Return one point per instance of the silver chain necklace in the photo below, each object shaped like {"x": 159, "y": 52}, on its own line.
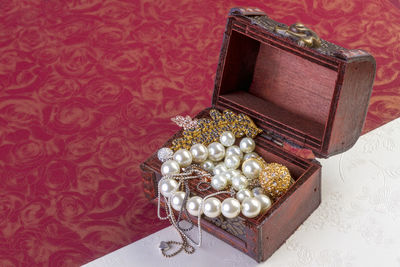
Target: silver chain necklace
{"x": 184, "y": 244}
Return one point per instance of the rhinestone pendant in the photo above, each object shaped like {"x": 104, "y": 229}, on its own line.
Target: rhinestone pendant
{"x": 165, "y": 154}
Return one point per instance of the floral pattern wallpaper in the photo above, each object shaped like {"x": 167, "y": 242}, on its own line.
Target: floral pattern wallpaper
{"x": 87, "y": 88}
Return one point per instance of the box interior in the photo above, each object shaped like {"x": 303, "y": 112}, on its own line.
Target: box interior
{"x": 287, "y": 90}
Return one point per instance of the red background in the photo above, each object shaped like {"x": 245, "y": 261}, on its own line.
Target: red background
{"x": 86, "y": 92}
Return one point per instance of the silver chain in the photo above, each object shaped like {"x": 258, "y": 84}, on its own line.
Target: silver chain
{"x": 184, "y": 178}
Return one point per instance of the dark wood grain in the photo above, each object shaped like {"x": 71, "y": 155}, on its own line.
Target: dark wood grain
{"x": 352, "y": 104}
{"x": 293, "y": 83}
{"x": 293, "y": 211}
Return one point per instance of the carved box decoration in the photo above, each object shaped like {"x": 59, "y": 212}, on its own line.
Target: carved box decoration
{"x": 309, "y": 96}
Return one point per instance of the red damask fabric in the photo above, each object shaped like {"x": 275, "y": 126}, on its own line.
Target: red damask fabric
{"x": 87, "y": 88}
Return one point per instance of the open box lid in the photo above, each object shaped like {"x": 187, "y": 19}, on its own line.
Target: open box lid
{"x": 310, "y": 97}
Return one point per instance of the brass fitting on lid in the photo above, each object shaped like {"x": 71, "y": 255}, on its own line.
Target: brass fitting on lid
{"x": 303, "y": 35}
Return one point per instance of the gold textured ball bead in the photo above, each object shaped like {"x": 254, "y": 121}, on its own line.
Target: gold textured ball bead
{"x": 275, "y": 179}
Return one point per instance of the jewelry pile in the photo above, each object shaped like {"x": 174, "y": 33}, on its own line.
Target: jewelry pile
{"x": 220, "y": 162}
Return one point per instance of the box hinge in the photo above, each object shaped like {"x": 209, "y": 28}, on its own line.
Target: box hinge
{"x": 273, "y": 137}
{"x": 288, "y": 145}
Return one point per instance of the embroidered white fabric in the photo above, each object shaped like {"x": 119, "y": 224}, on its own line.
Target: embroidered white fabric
{"x": 357, "y": 223}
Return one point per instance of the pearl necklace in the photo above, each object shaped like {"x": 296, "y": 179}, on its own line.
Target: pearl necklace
{"x": 235, "y": 168}
{"x": 249, "y": 202}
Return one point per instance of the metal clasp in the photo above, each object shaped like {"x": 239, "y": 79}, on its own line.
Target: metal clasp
{"x": 303, "y": 35}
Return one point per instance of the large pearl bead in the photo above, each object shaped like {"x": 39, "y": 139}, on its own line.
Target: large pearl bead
{"x": 170, "y": 167}
{"x": 250, "y": 155}
{"x": 242, "y": 194}
{"x": 234, "y": 150}
{"x": 219, "y": 182}
{"x": 183, "y": 157}
{"x": 193, "y": 205}
{"x": 216, "y": 151}
{"x": 230, "y": 207}
{"x": 257, "y": 191}
{"x": 265, "y": 202}
{"x": 251, "y": 168}
{"x": 167, "y": 187}
{"x": 199, "y": 153}
{"x": 212, "y": 207}
{"x": 230, "y": 174}
{"x": 220, "y": 168}
{"x": 247, "y": 145}
{"x": 208, "y": 165}
{"x": 227, "y": 138}
{"x": 232, "y": 162}
{"x": 177, "y": 200}
{"x": 239, "y": 182}
{"x": 251, "y": 207}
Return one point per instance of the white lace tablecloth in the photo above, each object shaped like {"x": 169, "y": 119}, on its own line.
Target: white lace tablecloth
{"x": 357, "y": 223}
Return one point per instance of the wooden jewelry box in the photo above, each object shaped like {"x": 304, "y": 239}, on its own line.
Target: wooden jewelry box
{"x": 309, "y": 96}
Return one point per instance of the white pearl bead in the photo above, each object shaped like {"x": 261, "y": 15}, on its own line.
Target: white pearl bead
{"x": 167, "y": 187}
{"x": 177, "y": 200}
{"x": 193, "y": 205}
{"x": 251, "y": 168}
{"x": 227, "y": 138}
{"x": 170, "y": 167}
{"x": 219, "y": 182}
{"x": 251, "y": 207}
{"x": 257, "y": 191}
{"x": 183, "y": 157}
{"x": 230, "y": 207}
{"x": 234, "y": 150}
{"x": 216, "y": 151}
{"x": 242, "y": 194}
{"x": 239, "y": 182}
{"x": 212, "y": 207}
{"x": 230, "y": 174}
{"x": 265, "y": 202}
{"x": 199, "y": 153}
{"x": 250, "y": 155}
{"x": 220, "y": 168}
{"x": 247, "y": 145}
{"x": 208, "y": 165}
{"x": 232, "y": 162}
